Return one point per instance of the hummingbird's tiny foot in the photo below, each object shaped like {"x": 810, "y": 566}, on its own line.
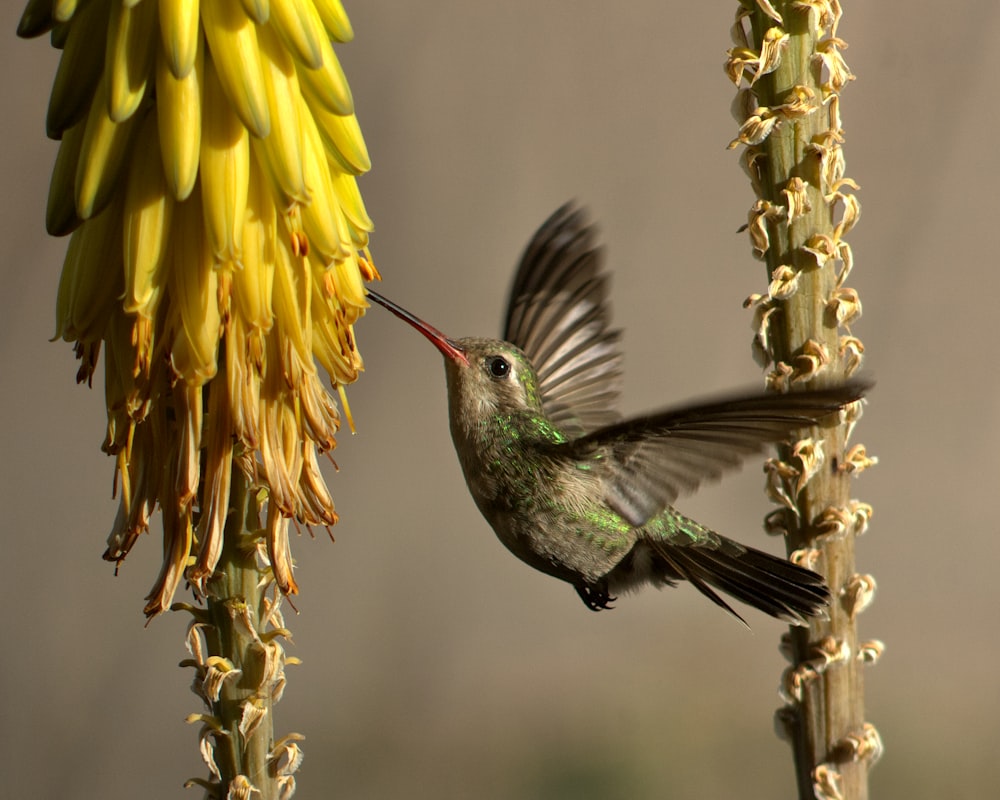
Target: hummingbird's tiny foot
{"x": 595, "y": 595}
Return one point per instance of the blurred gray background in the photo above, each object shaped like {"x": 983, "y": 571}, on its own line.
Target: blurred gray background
{"x": 435, "y": 664}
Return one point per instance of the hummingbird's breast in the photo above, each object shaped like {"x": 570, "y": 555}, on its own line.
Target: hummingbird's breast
{"x": 549, "y": 512}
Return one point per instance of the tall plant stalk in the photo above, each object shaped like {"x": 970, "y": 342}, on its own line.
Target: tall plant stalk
{"x": 207, "y": 178}
{"x": 788, "y": 66}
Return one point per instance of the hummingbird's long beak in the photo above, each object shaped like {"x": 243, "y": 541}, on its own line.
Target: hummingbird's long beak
{"x": 450, "y": 348}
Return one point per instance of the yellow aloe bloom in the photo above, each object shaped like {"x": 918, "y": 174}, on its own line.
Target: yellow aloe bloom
{"x": 207, "y": 173}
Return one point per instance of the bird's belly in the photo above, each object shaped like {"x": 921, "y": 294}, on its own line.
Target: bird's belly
{"x": 570, "y": 549}
{"x": 556, "y": 523}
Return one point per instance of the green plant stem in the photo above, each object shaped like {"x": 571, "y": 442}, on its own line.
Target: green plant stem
{"x": 236, "y": 606}
{"x": 830, "y": 708}
{"x": 788, "y": 156}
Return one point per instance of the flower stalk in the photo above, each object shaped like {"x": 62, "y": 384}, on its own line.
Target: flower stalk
{"x": 788, "y": 66}
{"x": 218, "y": 249}
{"x": 236, "y": 650}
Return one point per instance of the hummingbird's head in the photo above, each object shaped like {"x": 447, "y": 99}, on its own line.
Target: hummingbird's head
{"x": 485, "y": 376}
{"x": 496, "y": 377}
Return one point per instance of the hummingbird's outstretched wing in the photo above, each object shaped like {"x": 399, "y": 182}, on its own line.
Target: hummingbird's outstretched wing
{"x": 558, "y": 315}
{"x": 647, "y": 462}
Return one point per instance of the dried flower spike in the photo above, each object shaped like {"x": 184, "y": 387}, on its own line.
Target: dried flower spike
{"x": 789, "y": 70}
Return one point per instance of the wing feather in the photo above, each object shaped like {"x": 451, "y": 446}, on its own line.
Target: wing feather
{"x": 558, "y": 314}
{"x": 648, "y": 462}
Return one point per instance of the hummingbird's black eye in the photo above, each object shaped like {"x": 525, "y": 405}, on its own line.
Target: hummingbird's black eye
{"x": 498, "y": 366}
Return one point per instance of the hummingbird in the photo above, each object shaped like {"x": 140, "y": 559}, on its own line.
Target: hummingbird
{"x": 571, "y": 488}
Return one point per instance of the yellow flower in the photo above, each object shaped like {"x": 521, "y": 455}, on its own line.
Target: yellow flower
{"x": 207, "y": 172}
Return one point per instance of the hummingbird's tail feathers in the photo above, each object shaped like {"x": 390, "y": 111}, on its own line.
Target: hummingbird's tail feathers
{"x": 773, "y": 585}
